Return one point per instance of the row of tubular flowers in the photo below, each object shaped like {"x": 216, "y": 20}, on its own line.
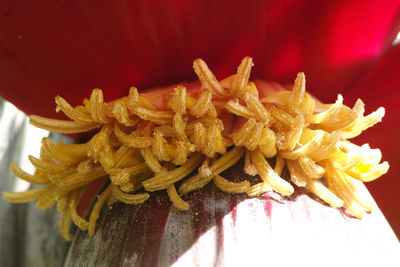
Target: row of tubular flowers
{"x": 180, "y": 145}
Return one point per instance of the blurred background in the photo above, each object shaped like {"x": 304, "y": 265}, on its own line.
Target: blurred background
{"x": 28, "y": 236}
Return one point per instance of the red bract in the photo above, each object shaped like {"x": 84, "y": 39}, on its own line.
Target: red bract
{"x": 67, "y": 48}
